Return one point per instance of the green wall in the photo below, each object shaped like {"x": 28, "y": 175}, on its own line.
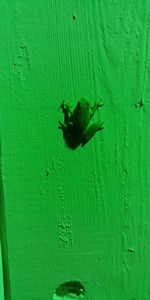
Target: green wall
{"x": 1, "y": 277}
{"x": 79, "y": 214}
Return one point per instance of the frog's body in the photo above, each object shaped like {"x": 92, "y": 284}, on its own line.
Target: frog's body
{"x": 76, "y": 122}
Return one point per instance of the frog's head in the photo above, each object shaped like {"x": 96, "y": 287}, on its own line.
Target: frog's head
{"x": 83, "y": 104}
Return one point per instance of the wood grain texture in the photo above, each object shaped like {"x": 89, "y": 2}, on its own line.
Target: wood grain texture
{"x": 1, "y": 277}
{"x": 83, "y": 214}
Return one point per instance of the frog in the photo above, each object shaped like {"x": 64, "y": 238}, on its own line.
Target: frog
{"x": 76, "y": 127}
{"x": 70, "y": 289}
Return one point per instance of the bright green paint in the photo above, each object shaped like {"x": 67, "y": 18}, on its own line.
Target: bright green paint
{"x": 1, "y": 277}
{"x": 75, "y": 215}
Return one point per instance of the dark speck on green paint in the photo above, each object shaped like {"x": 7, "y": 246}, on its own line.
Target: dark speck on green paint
{"x": 131, "y": 250}
{"x": 47, "y": 172}
{"x": 139, "y": 104}
{"x": 74, "y": 17}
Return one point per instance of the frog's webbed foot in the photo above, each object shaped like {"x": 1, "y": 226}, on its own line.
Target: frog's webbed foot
{"x": 66, "y": 109}
{"x": 95, "y": 107}
{"x": 91, "y": 132}
{"x": 99, "y": 104}
{"x": 62, "y": 125}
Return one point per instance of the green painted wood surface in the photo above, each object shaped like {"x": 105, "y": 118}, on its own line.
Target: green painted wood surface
{"x": 1, "y": 277}
{"x": 83, "y": 214}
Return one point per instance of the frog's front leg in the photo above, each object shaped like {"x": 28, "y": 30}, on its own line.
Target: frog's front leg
{"x": 64, "y": 126}
{"x": 95, "y": 107}
{"x": 90, "y": 132}
{"x": 66, "y": 111}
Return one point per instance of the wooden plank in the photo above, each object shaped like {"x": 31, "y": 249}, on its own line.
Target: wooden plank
{"x": 1, "y": 277}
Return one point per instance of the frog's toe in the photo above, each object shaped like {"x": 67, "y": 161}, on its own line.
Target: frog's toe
{"x": 101, "y": 126}
{"x": 61, "y": 125}
{"x": 100, "y": 104}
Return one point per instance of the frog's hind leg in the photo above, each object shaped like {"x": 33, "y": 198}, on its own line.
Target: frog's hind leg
{"x": 91, "y": 132}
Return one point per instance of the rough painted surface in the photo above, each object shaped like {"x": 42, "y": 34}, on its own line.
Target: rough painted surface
{"x": 85, "y": 214}
{"x": 1, "y": 277}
